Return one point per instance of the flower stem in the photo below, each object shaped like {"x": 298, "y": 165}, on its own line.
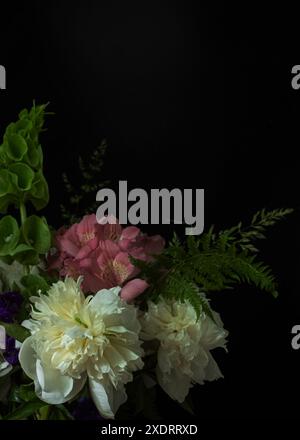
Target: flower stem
{"x": 23, "y": 215}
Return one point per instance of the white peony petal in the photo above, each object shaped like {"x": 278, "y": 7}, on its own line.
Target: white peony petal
{"x": 5, "y": 367}
{"x": 78, "y": 384}
{"x": 18, "y": 344}
{"x": 212, "y": 370}
{"x": 106, "y": 398}
{"x": 54, "y": 388}
{"x": 176, "y": 385}
{"x": 2, "y": 338}
{"x": 27, "y": 358}
{"x": 148, "y": 381}
{"x": 107, "y": 300}
{"x": 30, "y": 325}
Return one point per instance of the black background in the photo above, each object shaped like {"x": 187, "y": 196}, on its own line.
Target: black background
{"x": 184, "y": 99}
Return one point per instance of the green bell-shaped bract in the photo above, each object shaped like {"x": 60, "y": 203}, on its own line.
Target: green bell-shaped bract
{"x": 22, "y": 181}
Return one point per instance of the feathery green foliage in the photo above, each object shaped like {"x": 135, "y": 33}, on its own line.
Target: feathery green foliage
{"x": 212, "y": 262}
{"x": 244, "y": 237}
{"x": 82, "y": 197}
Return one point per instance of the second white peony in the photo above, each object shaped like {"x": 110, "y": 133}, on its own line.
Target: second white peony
{"x": 183, "y": 356}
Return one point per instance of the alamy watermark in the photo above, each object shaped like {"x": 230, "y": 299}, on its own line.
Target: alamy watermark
{"x": 295, "y": 342}
{"x": 2, "y": 78}
{"x": 166, "y": 207}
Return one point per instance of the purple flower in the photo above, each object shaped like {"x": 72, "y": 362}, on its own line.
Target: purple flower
{"x": 85, "y": 410}
{"x": 10, "y": 303}
{"x": 11, "y": 353}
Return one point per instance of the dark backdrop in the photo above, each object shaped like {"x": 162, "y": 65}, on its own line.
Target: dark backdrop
{"x": 184, "y": 100}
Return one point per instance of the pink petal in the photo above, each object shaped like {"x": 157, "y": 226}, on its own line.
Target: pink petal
{"x": 124, "y": 244}
{"x": 87, "y": 224}
{"x": 58, "y": 236}
{"x": 69, "y": 246}
{"x": 122, "y": 258}
{"x": 108, "y": 247}
{"x": 87, "y": 249}
{"x": 112, "y": 231}
{"x": 130, "y": 233}
{"x": 154, "y": 245}
{"x": 92, "y": 284}
{"x": 86, "y": 230}
{"x": 133, "y": 288}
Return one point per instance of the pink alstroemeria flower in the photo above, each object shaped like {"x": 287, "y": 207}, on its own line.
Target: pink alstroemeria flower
{"x": 100, "y": 253}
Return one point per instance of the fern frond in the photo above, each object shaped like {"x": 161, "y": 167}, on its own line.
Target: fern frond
{"x": 82, "y": 197}
{"x": 181, "y": 289}
{"x": 244, "y": 237}
{"x": 213, "y": 262}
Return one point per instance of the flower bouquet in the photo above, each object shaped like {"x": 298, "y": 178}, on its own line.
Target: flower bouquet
{"x": 95, "y": 312}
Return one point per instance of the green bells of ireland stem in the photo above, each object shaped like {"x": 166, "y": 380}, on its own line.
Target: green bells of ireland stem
{"x": 22, "y": 181}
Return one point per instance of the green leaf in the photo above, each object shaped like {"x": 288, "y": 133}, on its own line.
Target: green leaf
{"x": 8, "y": 189}
{"x": 25, "y": 254}
{"x": 23, "y": 114}
{"x": 39, "y": 194}
{"x": 29, "y": 257}
{"x": 20, "y": 249}
{"x": 15, "y": 146}
{"x": 24, "y": 174}
{"x": 23, "y": 393}
{"x": 33, "y": 157}
{"x": 23, "y": 126}
{"x": 27, "y": 393}
{"x": 5, "y": 201}
{"x": 9, "y": 235}
{"x": 16, "y": 331}
{"x": 3, "y": 158}
{"x": 33, "y": 283}
{"x": 25, "y": 410}
{"x": 43, "y": 413}
{"x": 5, "y": 183}
{"x": 37, "y": 234}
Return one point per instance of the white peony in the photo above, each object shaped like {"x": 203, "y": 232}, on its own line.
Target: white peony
{"x": 183, "y": 356}
{"x": 75, "y": 338}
